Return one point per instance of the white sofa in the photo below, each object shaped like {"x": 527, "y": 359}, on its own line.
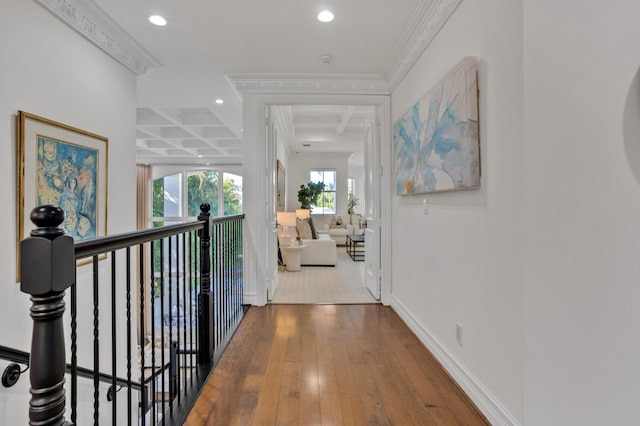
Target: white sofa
{"x": 321, "y": 251}
{"x": 353, "y": 225}
{"x": 318, "y": 252}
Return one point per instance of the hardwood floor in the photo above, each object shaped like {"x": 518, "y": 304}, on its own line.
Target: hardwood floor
{"x": 329, "y": 365}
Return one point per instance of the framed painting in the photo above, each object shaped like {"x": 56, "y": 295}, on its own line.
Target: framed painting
{"x": 64, "y": 166}
{"x": 436, "y": 143}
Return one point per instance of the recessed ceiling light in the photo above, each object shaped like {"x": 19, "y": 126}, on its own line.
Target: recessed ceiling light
{"x": 157, "y": 20}
{"x": 325, "y": 16}
{"x": 199, "y": 156}
{"x": 219, "y": 101}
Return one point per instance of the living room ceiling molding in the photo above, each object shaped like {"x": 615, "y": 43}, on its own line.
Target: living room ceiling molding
{"x": 283, "y": 118}
{"x": 86, "y": 18}
{"x": 429, "y": 17}
{"x": 309, "y": 83}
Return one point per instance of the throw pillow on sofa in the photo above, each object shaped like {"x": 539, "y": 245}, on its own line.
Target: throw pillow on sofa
{"x": 304, "y": 230}
{"x": 337, "y": 222}
{"x": 314, "y": 233}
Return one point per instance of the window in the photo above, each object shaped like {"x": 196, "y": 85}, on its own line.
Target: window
{"x": 327, "y": 201}
{"x": 232, "y": 190}
{"x": 202, "y": 187}
{"x": 177, "y": 198}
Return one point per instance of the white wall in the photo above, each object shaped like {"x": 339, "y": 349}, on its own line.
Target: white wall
{"x": 282, "y": 154}
{"x": 582, "y": 174}
{"x": 462, "y": 263}
{"x": 356, "y": 171}
{"x": 48, "y": 70}
{"x": 298, "y": 174}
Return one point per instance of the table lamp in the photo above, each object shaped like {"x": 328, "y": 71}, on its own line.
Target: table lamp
{"x": 303, "y": 213}
{"x": 286, "y": 219}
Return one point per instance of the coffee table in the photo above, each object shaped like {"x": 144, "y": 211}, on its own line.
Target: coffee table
{"x": 355, "y": 247}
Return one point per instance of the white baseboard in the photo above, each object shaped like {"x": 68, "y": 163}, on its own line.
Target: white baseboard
{"x": 249, "y": 299}
{"x": 479, "y": 394}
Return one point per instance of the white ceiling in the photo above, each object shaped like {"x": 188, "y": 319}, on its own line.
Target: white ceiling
{"x": 206, "y": 41}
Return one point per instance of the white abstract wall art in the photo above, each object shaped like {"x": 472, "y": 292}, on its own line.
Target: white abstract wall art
{"x": 436, "y": 143}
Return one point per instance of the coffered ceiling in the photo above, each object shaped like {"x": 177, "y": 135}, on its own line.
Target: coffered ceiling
{"x": 218, "y": 49}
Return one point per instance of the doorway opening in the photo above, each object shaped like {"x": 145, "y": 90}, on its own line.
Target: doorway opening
{"x": 337, "y": 146}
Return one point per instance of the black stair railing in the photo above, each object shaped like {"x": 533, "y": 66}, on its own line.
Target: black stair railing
{"x": 188, "y": 308}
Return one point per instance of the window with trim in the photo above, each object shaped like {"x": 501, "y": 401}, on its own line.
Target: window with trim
{"x": 177, "y": 198}
{"x": 327, "y": 201}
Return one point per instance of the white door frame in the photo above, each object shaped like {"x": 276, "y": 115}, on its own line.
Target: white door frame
{"x": 255, "y": 149}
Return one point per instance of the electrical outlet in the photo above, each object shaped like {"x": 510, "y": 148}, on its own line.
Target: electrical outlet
{"x": 459, "y": 333}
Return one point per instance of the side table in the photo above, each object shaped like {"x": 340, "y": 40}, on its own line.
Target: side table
{"x": 293, "y": 255}
{"x": 355, "y": 247}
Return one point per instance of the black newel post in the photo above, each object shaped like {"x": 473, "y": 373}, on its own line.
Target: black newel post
{"x": 205, "y": 300}
{"x": 47, "y": 269}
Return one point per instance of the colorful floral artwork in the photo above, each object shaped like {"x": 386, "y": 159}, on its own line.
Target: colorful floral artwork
{"x": 67, "y": 176}
{"x": 436, "y": 143}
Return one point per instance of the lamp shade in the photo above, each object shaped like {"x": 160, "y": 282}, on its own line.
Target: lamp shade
{"x": 303, "y": 213}
{"x": 287, "y": 218}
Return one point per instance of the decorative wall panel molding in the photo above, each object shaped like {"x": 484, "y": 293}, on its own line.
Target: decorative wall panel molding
{"x": 86, "y": 18}
{"x": 430, "y": 17}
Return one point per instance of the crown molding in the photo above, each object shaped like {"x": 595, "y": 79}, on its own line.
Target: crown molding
{"x": 430, "y": 16}
{"x": 309, "y": 83}
{"x": 86, "y": 18}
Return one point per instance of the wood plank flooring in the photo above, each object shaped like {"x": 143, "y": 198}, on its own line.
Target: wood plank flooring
{"x": 329, "y": 365}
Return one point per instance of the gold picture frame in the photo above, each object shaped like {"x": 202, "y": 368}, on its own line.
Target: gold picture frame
{"x": 65, "y": 166}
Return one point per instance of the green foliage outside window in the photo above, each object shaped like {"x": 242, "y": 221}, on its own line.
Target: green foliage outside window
{"x": 232, "y": 197}
{"x": 202, "y": 187}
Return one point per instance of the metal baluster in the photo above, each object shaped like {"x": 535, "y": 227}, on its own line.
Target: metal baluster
{"x": 114, "y": 372}
{"x": 191, "y": 261}
{"x": 128, "y": 302}
{"x": 96, "y": 343}
{"x": 153, "y": 331}
{"x": 162, "y": 270}
{"x": 143, "y": 392}
{"x": 218, "y": 298}
{"x": 238, "y": 260}
{"x": 172, "y": 274}
{"x": 74, "y": 354}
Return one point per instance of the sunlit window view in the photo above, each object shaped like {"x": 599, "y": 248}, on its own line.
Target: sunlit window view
{"x": 177, "y": 198}
{"x": 327, "y": 201}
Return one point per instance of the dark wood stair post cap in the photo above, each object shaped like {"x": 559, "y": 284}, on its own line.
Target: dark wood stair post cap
{"x": 47, "y": 261}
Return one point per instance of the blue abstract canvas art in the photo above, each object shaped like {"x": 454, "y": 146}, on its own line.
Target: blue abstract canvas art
{"x": 436, "y": 142}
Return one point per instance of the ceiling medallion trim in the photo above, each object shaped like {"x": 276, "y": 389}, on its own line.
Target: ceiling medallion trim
{"x": 302, "y": 83}
{"x": 430, "y": 17}
{"x": 86, "y": 18}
